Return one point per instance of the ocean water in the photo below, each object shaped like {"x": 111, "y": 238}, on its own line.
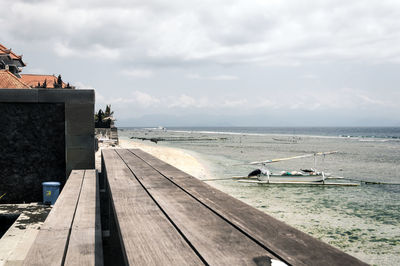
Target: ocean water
{"x": 363, "y": 221}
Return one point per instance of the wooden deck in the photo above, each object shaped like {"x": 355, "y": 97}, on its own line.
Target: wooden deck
{"x": 71, "y": 234}
{"x": 167, "y": 217}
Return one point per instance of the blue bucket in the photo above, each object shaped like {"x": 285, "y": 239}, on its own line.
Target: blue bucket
{"x": 51, "y": 190}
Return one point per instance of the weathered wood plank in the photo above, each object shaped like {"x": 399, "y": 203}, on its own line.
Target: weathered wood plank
{"x": 50, "y": 244}
{"x": 147, "y": 236}
{"x": 85, "y": 244}
{"x": 217, "y": 241}
{"x": 48, "y": 248}
{"x": 294, "y": 246}
{"x": 61, "y": 215}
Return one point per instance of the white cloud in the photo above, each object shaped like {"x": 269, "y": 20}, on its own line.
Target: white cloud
{"x": 193, "y": 76}
{"x": 144, "y": 99}
{"x": 239, "y": 31}
{"x": 136, "y": 99}
{"x": 217, "y": 77}
{"x": 217, "y": 56}
{"x": 349, "y": 99}
{"x": 93, "y": 51}
{"x": 367, "y": 100}
{"x": 307, "y": 100}
{"x": 140, "y": 98}
{"x": 182, "y": 101}
{"x": 185, "y": 101}
{"x": 309, "y": 76}
{"x": 265, "y": 102}
{"x": 138, "y": 73}
{"x": 235, "y": 103}
{"x": 224, "y": 77}
{"x": 347, "y": 102}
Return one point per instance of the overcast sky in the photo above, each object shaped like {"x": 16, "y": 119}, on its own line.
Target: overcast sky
{"x": 220, "y": 62}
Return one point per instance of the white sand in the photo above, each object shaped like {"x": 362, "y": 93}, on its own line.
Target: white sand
{"x": 181, "y": 159}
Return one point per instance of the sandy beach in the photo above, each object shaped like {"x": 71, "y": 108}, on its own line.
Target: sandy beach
{"x": 181, "y": 159}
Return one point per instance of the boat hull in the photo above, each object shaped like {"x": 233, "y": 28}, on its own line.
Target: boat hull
{"x": 291, "y": 178}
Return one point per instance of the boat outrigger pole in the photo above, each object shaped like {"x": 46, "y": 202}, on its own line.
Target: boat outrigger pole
{"x": 294, "y": 157}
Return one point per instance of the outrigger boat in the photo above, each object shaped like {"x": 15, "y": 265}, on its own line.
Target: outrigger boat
{"x": 304, "y": 175}
{"x": 263, "y": 175}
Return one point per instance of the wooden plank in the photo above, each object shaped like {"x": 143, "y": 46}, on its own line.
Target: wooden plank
{"x": 218, "y": 242}
{"x": 85, "y": 244}
{"x": 84, "y": 248}
{"x": 294, "y": 246}
{"x": 147, "y": 236}
{"x": 48, "y": 248}
{"x": 50, "y": 245}
{"x": 61, "y": 215}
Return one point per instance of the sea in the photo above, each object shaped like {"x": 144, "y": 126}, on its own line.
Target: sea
{"x": 363, "y": 220}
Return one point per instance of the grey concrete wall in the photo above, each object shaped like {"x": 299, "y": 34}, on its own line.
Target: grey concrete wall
{"x": 77, "y": 133}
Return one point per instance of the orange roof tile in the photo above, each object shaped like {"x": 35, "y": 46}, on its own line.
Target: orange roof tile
{"x": 5, "y": 50}
{"x": 9, "y": 81}
{"x": 33, "y": 80}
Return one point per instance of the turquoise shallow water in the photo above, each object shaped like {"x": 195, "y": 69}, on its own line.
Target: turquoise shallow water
{"x": 363, "y": 221}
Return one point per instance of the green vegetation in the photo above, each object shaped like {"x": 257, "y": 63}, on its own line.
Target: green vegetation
{"x": 104, "y": 119}
{"x": 58, "y": 83}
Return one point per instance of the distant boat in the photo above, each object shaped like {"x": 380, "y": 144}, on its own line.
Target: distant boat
{"x": 292, "y": 139}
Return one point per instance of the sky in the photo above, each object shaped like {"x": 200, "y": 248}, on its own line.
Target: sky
{"x": 220, "y": 62}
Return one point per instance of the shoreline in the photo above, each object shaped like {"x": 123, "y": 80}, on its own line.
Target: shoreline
{"x": 187, "y": 161}
{"x": 182, "y": 159}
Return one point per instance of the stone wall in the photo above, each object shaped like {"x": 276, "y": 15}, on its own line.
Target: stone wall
{"x": 45, "y": 133}
{"x": 32, "y": 143}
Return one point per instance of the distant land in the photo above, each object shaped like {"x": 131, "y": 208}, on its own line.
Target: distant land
{"x": 199, "y": 120}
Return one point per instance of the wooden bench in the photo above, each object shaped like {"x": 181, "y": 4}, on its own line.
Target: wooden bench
{"x": 71, "y": 234}
{"x": 166, "y": 217}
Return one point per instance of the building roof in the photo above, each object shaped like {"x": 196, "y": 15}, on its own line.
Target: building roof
{"x": 9, "y": 81}
{"x": 33, "y": 80}
{"x": 5, "y": 50}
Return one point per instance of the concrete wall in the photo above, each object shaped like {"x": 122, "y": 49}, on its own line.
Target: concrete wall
{"x": 76, "y": 138}
{"x": 111, "y": 133}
